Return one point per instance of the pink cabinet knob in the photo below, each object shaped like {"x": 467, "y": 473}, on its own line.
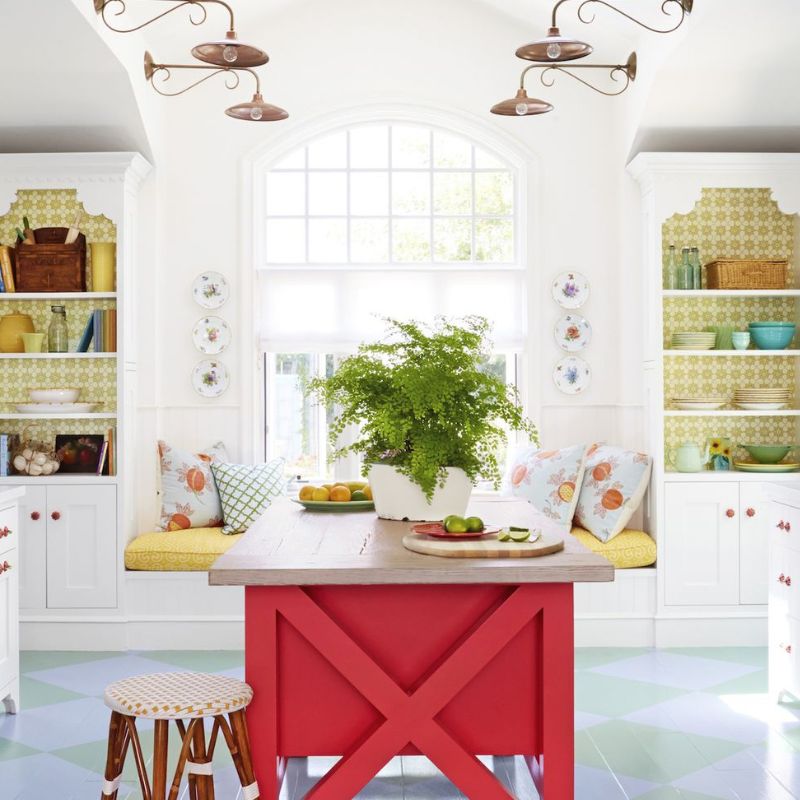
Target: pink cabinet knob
{"x": 730, "y": 513}
{"x": 35, "y": 515}
{"x": 5, "y": 532}
{"x": 56, "y": 515}
{"x": 751, "y": 512}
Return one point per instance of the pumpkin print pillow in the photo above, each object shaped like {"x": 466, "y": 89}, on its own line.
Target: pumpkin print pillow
{"x": 189, "y": 496}
{"x": 613, "y": 488}
{"x": 549, "y": 480}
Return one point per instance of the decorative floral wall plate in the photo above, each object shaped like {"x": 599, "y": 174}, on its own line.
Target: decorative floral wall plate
{"x": 210, "y": 289}
{"x": 210, "y": 378}
{"x": 571, "y": 289}
{"x": 211, "y": 335}
{"x": 572, "y": 333}
{"x": 572, "y": 375}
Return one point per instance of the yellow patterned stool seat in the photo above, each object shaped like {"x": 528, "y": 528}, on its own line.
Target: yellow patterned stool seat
{"x": 177, "y": 695}
{"x": 170, "y": 698}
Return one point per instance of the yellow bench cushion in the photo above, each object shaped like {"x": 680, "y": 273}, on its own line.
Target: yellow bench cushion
{"x": 626, "y": 550}
{"x": 192, "y": 550}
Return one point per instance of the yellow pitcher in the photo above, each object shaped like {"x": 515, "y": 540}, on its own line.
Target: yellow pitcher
{"x": 11, "y": 327}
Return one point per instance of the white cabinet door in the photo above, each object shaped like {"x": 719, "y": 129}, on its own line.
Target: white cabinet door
{"x": 753, "y": 544}
{"x": 81, "y": 546}
{"x": 9, "y": 619}
{"x": 702, "y": 544}
{"x": 32, "y": 548}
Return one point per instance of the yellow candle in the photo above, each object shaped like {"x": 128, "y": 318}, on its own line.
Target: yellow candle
{"x": 104, "y": 256}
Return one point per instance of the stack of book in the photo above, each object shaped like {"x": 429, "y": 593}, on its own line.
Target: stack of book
{"x": 6, "y": 271}
{"x": 8, "y": 443}
{"x": 102, "y": 328}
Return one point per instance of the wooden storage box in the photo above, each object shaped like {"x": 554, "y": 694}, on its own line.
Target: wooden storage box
{"x": 746, "y": 274}
{"x": 50, "y": 265}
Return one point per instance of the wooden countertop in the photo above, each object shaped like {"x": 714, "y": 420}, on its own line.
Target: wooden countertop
{"x": 289, "y": 546}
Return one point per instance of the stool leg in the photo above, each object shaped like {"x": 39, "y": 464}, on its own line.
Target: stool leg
{"x": 138, "y": 756}
{"x": 114, "y": 756}
{"x": 160, "y": 742}
{"x": 243, "y": 757}
{"x": 186, "y": 736}
{"x": 204, "y": 783}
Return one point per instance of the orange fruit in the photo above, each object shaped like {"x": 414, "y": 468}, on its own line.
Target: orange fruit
{"x": 601, "y": 471}
{"x": 340, "y": 494}
{"x": 195, "y": 480}
{"x": 367, "y": 492}
{"x": 179, "y": 522}
{"x": 612, "y": 499}
{"x": 518, "y": 475}
{"x": 321, "y": 494}
{"x": 307, "y": 493}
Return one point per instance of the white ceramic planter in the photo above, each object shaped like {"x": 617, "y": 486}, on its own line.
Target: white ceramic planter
{"x": 397, "y": 497}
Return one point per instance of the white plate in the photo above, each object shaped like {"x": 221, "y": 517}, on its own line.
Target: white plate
{"x": 760, "y": 406}
{"x": 211, "y": 335}
{"x": 210, "y": 378}
{"x": 210, "y": 289}
{"x": 56, "y": 408}
{"x": 572, "y": 375}
{"x": 570, "y": 289}
{"x": 573, "y": 333}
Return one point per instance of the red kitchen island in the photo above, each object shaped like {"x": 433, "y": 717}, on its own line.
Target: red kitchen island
{"x": 356, "y": 647}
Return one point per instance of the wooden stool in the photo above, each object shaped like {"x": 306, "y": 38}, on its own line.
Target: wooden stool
{"x": 178, "y": 696}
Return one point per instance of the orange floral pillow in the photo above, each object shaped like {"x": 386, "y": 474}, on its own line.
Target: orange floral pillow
{"x": 550, "y": 480}
{"x": 189, "y": 496}
{"x": 613, "y": 488}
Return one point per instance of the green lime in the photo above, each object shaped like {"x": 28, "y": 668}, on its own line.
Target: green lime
{"x": 504, "y": 536}
{"x": 519, "y": 536}
{"x": 474, "y": 524}
{"x": 358, "y": 495}
{"x": 455, "y": 524}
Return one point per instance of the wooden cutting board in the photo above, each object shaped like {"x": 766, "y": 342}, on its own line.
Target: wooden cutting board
{"x": 489, "y": 547}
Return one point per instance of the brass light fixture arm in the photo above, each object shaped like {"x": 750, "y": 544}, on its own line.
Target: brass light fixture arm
{"x": 232, "y": 79}
{"x": 100, "y": 7}
{"x": 684, "y": 5}
{"x": 628, "y": 70}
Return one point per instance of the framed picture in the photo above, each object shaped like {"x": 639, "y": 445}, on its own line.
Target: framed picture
{"x": 80, "y": 452}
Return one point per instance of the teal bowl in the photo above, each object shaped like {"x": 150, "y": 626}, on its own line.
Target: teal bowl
{"x": 772, "y": 337}
{"x": 768, "y": 453}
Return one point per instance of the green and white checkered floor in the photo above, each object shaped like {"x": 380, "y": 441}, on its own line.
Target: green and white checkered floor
{"x": 650, "y": 724}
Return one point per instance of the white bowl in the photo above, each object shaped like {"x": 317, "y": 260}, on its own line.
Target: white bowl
{"x": 54, "y": 395}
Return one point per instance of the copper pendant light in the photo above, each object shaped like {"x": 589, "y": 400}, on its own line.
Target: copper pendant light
{"x": 255, "y": 111}
{"x": 555, "y": 47}
{"x": 228, "y": 51}
{"x": 521, "y": 106}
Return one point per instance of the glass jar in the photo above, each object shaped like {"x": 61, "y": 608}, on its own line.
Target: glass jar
{"x": 57, "y": 336}
{"x": 685, "y": 273}
{"x": 697, "y": 269}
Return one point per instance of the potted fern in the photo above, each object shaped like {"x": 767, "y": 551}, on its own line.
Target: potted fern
{"x": 429, "y": 416}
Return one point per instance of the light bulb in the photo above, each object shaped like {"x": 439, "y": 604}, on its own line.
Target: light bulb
{"x": 553, "y": 50}
{"x": 256, "y": 113}
{"x": 521, "y": 109}
{"x": 230, "y": 53}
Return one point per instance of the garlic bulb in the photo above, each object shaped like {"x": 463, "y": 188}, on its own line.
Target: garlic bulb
{"x": 40, "y": 459}
{"x": 34, "y": 469}
{"x": 20, "y": 463}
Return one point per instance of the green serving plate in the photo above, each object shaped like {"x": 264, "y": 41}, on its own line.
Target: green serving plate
{"x": 331, "y": 506}
{"x": 744, "y": 466}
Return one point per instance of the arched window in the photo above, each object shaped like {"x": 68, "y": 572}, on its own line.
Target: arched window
{"x": 378, "y": 219}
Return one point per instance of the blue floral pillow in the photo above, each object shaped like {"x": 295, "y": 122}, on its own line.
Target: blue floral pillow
{"x": 550, "y": 480}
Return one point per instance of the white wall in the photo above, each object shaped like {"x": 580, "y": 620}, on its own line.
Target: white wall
{"x": 336, "y": 56}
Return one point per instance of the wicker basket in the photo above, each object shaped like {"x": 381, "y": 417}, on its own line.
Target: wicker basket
{"x": 741, "y": 274}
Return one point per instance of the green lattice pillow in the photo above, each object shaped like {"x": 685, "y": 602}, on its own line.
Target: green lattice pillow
{"x": 246, "y": 491}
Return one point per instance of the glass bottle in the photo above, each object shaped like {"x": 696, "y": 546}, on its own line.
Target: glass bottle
{"x": 671, "y": 269}
{"x": 685, "y": 273}
{"x": 57, "y": 337}
{"x": 697, "y": 269}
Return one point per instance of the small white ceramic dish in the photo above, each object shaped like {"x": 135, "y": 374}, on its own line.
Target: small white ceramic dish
{"x": 54, "y": 395}
{"x": 56, "y": 408}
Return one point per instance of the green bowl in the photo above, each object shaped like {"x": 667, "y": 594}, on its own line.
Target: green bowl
{"x": 768, "y": 453}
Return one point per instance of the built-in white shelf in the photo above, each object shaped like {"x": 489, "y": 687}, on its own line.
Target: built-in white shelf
{"x": 733, "y": 412}
{"x": 57, "y": 355}
{"x": 58, "y": 296}
{"x": 721, "y": 476}
{"x": 734, "y": 353}
{"x": 61, "y": 477}
{"x": 731, "y": 292}
{"x": 87, "y": 415}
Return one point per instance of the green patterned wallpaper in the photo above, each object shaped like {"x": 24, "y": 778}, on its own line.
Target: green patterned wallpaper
{"x": 728, "y": 223}
{"x": 733, "y": 223}
{"x": 96, "y": 377}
